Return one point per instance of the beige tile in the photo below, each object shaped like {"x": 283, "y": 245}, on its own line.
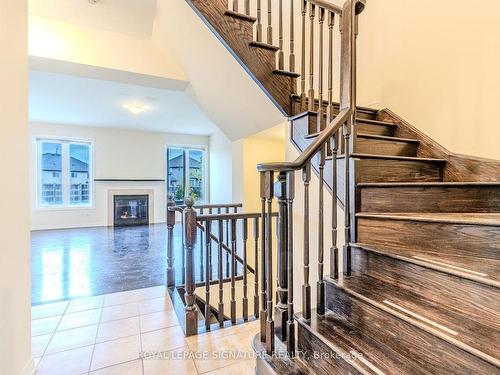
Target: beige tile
{"x": 158, "y": 320}
{"x": 72, "y": 339}
{"x": 127, "y": 368}
{"x": 44, "y": 326}
{"x": 39, "y": 344}
{"x": 212, "y": 354}
{"x": 117, "y": 329}
{"x": 71, "y": 362}
{"x": 243, "y": 368}
{"x": 47, "y": 310}
{"x": 114, "y": 352}
{"x": 117, "y": 312}
{"x": 79, "y": 319}
{"x": 82, "y": 304}
{"x": 154, "y": 305}
{"x": 163, "y": 340}
{"x": 151, "y": 293}
{"x": 172, "y": 363}
{"x": 120, "y": 298}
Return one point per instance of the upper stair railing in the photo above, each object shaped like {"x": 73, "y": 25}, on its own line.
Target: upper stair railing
{"x": 278, "y": 179}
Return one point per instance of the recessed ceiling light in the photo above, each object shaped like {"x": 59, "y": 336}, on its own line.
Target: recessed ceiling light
{"x": 136, "y": 109}
{"x": 93, "y": 2}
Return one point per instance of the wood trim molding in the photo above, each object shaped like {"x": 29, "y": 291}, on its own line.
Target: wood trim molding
{"x": 459, "y": 168}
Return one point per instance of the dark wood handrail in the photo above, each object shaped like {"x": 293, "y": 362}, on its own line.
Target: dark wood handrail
{"x": 209, "y": 206}
{"x": 232, "y": 216}
{"x": 312, "y": 149}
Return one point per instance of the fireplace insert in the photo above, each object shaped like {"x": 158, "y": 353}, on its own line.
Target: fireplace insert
{"x": 131, "y": 210}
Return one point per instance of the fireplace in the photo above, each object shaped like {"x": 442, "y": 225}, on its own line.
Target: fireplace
{"x": 131, "y": 210}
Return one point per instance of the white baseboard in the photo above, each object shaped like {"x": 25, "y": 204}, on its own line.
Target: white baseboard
{"x": 29, "y": 368}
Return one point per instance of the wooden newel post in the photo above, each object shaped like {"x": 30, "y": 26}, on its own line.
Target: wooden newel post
{"x": 191, "y": 314}
{"x": 170, "y": 239}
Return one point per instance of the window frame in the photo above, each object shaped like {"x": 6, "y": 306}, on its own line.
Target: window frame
{"x": 65, "y": 173}
{"x": 205, "y": 166}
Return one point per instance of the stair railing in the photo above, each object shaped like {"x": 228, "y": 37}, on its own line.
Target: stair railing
{"x": 235, "y": 236}
{"x": 278, "y": 179}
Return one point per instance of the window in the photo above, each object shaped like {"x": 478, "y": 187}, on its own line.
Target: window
{"x": 64, "y": 173}
{"x": 186, "y": 168}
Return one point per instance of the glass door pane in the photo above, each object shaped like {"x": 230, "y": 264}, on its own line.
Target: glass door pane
{"x": 176, "y": 173}
{"x": 196, "y": 162}
{"x": 79, "y": 160}
{"x": 50, "y": 174}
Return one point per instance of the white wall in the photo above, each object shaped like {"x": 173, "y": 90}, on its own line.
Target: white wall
{"x": 118, "y": 154}
{"x": 65, "y": 41}
{"x": 221, "y": 171}
{"x": 15, "y": 288}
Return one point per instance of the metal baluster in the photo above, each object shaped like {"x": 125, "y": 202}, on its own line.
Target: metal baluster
{"x": 320, "y": 120}
{"x": 347, "y": 197}
{"x": 256, "y": 267}
{"x": 303, "y": 96}
{"x": 306, "y": 288}
{"x": 292, "y": 38}
{"x": 247, "y": 7}
{"x": 228, "y": 244}
{"x": 208, "y": 245}
{"x": 245, "y": 271}
{"x": 259, "y": 21}
{"x": 263, "y": 287}
{"x": 202, "y": 267}
{"x": 269, "y": 22}
{"x": 220, "y": 273}
{"x": 170, "y": 240}
{"x": 329, "y": 111}
{"x": 266, "y": 193}
{"x": 334, "y": 252}
{"x": 320, "y": 288}
{"x": 280, "y": 309}
{"x": 290, "y": 193}
{"x": 235, "y": 5}
{"x": 190, "y": 313}
{"x": 210, "y": 212}
{"x": 233, "y": 271}
{"x": 312, "y": 12}
{"x": 281, "y": 53}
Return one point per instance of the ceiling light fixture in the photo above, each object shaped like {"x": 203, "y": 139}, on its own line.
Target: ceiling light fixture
{"x": 93, "y": 2}
{"x": 136, "y": 109}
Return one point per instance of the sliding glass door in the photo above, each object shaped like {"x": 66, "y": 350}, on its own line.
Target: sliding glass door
{"x": 186, "y": 173}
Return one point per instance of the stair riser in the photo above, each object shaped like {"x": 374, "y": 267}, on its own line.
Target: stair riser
{"x": 415, "y": 344}
{"x": 380, "y": 170}
{"x": 375, "y": 129}
{"x": 476, "y": 300}
{"x": 481, "y": 241}
{"x": 384, "y": 147}
{"x": 309, "y": 345}
{"x": 297, "y": 108}
{"x": 430, "y": 199}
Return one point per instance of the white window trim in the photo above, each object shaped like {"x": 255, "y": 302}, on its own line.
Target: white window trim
{"x": 66, "y": 206}
{"x": 206, "y": 172}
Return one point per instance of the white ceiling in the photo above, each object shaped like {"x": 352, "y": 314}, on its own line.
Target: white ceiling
{"x": 64, "y": 99}
{"x": 132, "y": 17}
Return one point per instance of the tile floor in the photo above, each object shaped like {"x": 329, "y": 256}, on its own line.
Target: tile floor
{"x": 132, "y": 333}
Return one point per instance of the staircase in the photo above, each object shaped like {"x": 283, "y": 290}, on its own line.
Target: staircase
{"x": 419, "y": 287}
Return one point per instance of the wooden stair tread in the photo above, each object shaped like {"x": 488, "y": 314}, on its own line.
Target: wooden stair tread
{"x": 387, "y": 345}
{"x": 426, "y": 184}
{"x": 476, "y": 268}
{"x": 279, "y": 364}
{"x": 376, "y": 122}
{"x": 241, "y": 16}
{"x": 473, "y": 335}
{"x": 475, "y": 218}
{"x": 264, "y": 45}
{"x": 393, "y": 157}
{"x": 286, "y": 73}
{"x": 387, "y": 138}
